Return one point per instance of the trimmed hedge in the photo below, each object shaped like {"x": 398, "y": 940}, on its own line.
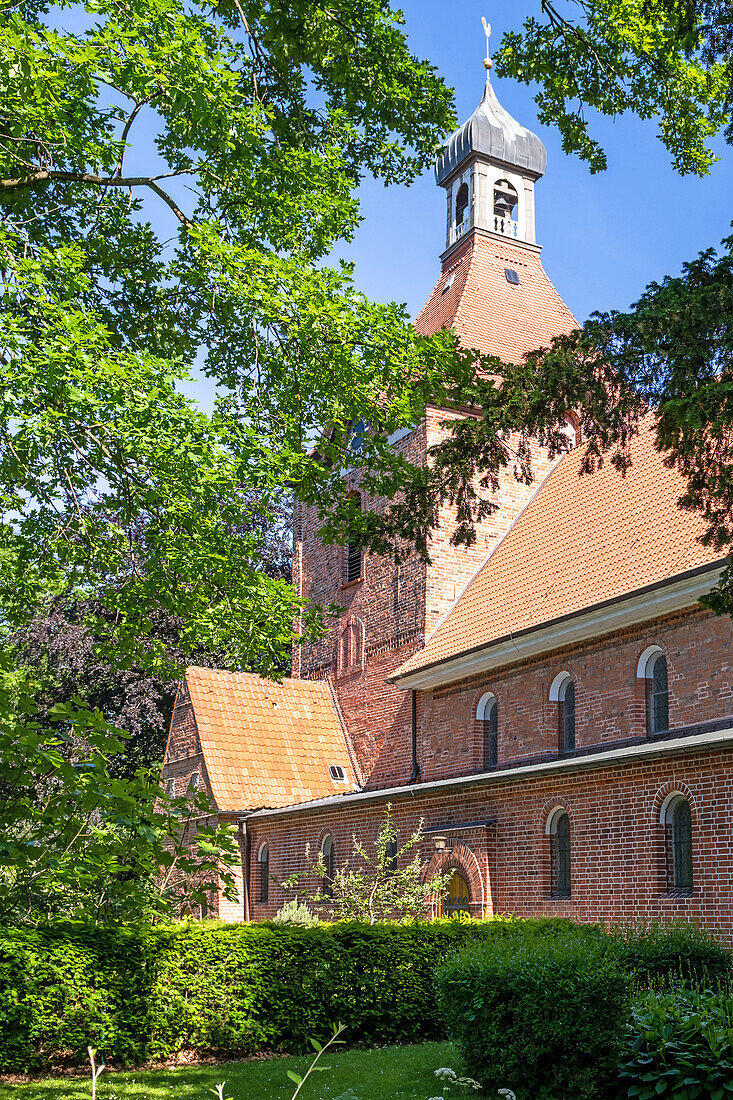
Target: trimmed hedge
{"x": 543, "y": 1017}
{"x": 142, "y": 995}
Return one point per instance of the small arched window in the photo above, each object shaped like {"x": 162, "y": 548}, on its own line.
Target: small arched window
{"x": 487, "y": 713}
{"x": 657, "y": 695}
{"x": 562, "y": 692}
{"x": 558, "y": 827}
{"x": 263, "y": 860}
{"x": 677, "y": 822}
{"x": 353, "y": 549}
{"x": 328, "y": 851}
{"x": 461, "y": 203}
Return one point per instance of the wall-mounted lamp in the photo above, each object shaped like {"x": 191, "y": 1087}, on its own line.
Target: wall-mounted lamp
{"x": 439, "y": 842}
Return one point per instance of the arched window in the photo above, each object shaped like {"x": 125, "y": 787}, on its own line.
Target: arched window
{"x": 487, "y": 713}
{"x": 461, "y": 203}
{"x": 505, "y": 199}
{"x": 328, "y": 851}
{"x": 353, "y": 549}
{"x": 263, "y": 860}
{"x": 657, "y": 695}
{"x": 652, "y": 669}
{"x": 558, "y": 827}
{"x": 562, "y": 692}
{"x": 677, "y": 822}
{"x": 350, "y": 651}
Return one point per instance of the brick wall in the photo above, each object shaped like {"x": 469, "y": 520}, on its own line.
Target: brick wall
{"x": 616, "y": 840}
{"x": 393, "y": 607}
{"x": 452, "y": 567}
{"x": 616, "y": 837}
{"x": 609, "y": 697}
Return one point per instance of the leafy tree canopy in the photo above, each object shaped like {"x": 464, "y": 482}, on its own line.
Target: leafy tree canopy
{"x": 261, "y": 120}
{"x": 665, "y": 59}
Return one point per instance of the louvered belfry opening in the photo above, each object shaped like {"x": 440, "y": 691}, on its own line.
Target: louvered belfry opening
{"x": 353, "y": 550}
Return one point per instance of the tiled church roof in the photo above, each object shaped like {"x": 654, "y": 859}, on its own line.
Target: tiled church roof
{"x": 582, "y": 540}
{"x": 488, "y": 313}
{"x": 267, "y": 744}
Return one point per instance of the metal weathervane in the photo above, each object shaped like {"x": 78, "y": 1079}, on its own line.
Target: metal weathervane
{"x": 487, "y": 31}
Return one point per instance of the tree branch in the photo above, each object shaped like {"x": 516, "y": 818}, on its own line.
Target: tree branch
{"x": 48, "y": 175}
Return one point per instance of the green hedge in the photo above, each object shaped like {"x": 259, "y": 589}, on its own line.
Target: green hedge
{"x": 542, "y": 1017}
{"x": 238, "y": 989}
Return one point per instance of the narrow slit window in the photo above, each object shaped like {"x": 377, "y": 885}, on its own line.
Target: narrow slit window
{"x": 353, "y": 550}
{"x": 264, "y": 864}
{"x": 328, "y": 851}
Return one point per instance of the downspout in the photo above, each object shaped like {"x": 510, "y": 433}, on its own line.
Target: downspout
{"x": 415, "y": 765}
{"x": 244, "y": 834}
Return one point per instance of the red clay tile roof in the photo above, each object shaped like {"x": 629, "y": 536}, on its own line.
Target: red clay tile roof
{"x": 581, "y": 540}
{"x": 488, "y": 313}
{"x": 267, "y": 744}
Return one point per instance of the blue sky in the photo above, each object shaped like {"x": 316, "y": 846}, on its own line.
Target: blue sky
{"x": 604, "y": 237}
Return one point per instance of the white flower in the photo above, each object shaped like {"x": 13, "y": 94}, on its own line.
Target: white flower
{"x": 436, "y": 1098}
{"x": 446, "y": 1073}
{"x": 507, "y": 1094}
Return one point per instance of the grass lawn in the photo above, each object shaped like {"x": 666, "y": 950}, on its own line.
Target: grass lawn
{"x": 389, "y": 1073}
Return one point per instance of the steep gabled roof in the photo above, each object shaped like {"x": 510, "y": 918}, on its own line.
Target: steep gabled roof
{"x": 267, "y": 744}
{"x": 581, "y": 541}
{"x": 488, "y": 313}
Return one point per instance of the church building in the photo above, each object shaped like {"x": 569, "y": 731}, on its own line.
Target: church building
{"x": 553, "y": 704}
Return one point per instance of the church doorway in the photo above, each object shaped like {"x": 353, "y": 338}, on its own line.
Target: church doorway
{"x": 457, "y": 899}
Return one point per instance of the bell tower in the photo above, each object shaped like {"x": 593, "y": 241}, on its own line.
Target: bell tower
{"x": 493, "y": 292}
{"x": 488, "y": 169}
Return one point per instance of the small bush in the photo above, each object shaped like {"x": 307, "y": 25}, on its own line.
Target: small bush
{"x": 679, "y": 1044}
{"x": 543, "y": 1016}
{"x": 660, "y": 952}
{"x": 295, "y": 913}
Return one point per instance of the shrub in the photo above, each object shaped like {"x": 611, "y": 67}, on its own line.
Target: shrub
{"x": 679, "y": 1044}
{"x": 137, "y": 995}
{"x": 543, "y": 1016}
{"x": 658, "y": 952}
{"x": 295, "y": 913}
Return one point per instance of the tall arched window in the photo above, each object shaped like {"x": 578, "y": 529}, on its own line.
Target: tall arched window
{"x": 657, "y": 695}
{"x": 461, "y": 203}
{"x": 263, "y": 860}
{"x": 558, "y": 827}
{"x": 487, "y": 713}
{"x": 353, "y": 549}
{"x": 652, "y": 669}
{"x": 677, "y": 822}
{"x": 328, "y": 851}
{"x": 562, "y": 692}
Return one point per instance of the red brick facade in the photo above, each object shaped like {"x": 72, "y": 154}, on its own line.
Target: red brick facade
{"x": 411, "y": 733}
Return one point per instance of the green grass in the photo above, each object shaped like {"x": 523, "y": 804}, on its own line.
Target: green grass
{"x": 387, "y": 1073}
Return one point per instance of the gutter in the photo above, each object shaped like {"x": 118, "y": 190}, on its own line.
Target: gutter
{"x": 415, "y": 775}
{"x": 244, "y": 834}
{"x": 630, "y": 754}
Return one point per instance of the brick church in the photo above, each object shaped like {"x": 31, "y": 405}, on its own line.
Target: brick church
{"x": 553, "y": 703}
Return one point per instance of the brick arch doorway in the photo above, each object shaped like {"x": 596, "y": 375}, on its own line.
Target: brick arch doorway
{"x": 457, "y": 898}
